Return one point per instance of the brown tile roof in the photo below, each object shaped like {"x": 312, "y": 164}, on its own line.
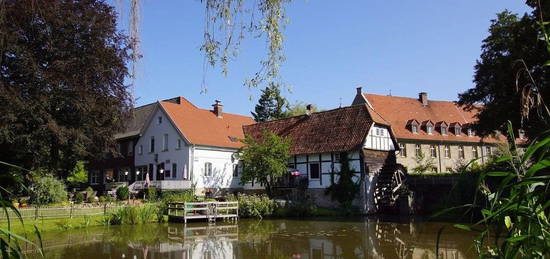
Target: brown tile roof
{"x": 400, "y": 110}
{"x": 203, "y": 127}
{"x": 338, "y": 130}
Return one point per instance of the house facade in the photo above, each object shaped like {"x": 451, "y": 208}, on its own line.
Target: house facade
{"x": 439, "y": 130}
{"x": 180, "y": 146}
{"x": 319, "y": 140}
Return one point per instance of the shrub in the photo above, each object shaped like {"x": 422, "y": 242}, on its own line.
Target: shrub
{"x": 122, "y": 193}
{"x": 91, "y": 199}
{"x": 151, "y": 194}
{"x": 78, "y": 174}
{"x": 133, "y": 215}
{"x": 168, "y": 197}
{"x": 102, "y": 199}
{"x": 47, "y": 189}
{"x": 255, "y": 206}
{"x": 109, "y": 198}
{"x": 79, "y": 197}
{"x": 89, "y": 189}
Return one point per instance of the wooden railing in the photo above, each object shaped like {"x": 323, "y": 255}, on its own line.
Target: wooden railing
{"x": 203, "y": 210}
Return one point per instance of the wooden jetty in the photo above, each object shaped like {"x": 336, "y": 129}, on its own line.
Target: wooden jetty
{"x": 211, "y": 211}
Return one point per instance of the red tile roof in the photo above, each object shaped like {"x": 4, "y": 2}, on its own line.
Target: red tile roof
{"x": 338, "y": 130}
{"x": 203, "y": 127}
{"x": 399, "y": 110}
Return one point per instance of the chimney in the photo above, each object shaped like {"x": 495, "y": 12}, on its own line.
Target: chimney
{"x": 218, "y": 109}
{"x": 309, "y": 109}
{"x": 359, "y": 90}
{"x": 423, "y": 98}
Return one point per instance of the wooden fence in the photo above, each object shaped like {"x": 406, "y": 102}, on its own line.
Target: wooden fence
{"x": 59, "y": 212}
{"x": 203, "y": 210}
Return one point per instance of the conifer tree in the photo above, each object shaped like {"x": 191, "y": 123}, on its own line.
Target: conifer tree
{"x": 270, "y": 105}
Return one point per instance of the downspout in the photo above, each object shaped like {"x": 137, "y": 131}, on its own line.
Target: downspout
{"x": 439, "y": 156}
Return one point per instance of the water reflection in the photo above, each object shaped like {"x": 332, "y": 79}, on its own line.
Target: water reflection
{"x": 262, "y": 239}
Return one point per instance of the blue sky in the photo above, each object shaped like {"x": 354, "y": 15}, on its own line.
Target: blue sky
{"x": 331, "y": 48}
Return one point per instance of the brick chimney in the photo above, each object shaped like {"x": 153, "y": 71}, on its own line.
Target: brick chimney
{"x": 359, "y": 90}
{"x": 218, "y": 109}
{"x": 423, "y": 98}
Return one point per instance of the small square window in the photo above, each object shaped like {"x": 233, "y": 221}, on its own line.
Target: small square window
{"x": 179, "y": 144}
{"x": 314, "y": 171}
{"x": 159, "y": 120}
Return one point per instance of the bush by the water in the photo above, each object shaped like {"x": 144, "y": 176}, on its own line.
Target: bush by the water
{"x": 122, "y": 193}
{"x": 133, "y": 215}
{"x": 168, "y": 197}
{"x": 255, "y": 206}
{"x": 79, "y": 197}
{"x": 47, "y": 189}
{"x": 151, "y": 194}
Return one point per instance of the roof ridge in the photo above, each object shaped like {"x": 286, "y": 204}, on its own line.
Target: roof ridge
{"x": 412, "y": 98}
{"x": 296, "y": 116}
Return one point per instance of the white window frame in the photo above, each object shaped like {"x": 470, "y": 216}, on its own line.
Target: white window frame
{"x": 447, "y": 151}
{"x": 444, "y": 131}
{"x": 208, "y": 169}
{"x": 433, "y": 151}
{"x": 414, "y": 129}
{"x": 488, "y": 150}
{"x": 403, "y": 150}
{"x": 319, "y": 170}
{"x": 165, "y": 142}
{"x": 417, "y": 150}
{"x": 429, "y": 129}
{"x": 475, "y": 153}
{"x": 140, "y": 150}
{"x": 457, "y": 131}
{"x": 470, "y": 132}
{"x": 461, "y": 153}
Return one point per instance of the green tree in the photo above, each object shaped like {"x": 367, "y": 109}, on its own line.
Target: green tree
{"x": 47, "y": 189}
{"x": 423, "y": 163}
{"x": 298, "y": 108}
{"x": 78, "y": 174}
{"x": 264, "y": 159}
{"x": 62, "y": 81}
{"x": 345, "y": 190}
{"x": 511, "y": 75}
{"x": 270, "y": 105}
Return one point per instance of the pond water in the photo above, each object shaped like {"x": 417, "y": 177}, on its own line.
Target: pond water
{"x": 273, "y": 238}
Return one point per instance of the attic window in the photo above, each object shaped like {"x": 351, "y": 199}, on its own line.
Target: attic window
{"x": 429, "y": 129}
{"x": 470, "y": 132}
{"x": 159, "y": 120}
{"x": 233, "y": 139}
{"x": 457, "y": 130}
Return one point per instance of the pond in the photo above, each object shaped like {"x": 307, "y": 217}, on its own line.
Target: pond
{"x": 273, "y": 238}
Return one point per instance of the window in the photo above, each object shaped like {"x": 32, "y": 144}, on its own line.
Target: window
{"x": 179, "y": 144}
{"x": 140, "y": 149}
{"x": 474, "y": 152}
{"x": 488, "y": 150}
{"x": 470, "y": 132}
{"x": 457, "y": 131}
{"x": 449, "y": 170}
{"x": 152, "y": 144}
{"x": 94, "y": 177}
{"x": 417, "y": 150}
{"x": 414, "y": 129}
{"x": 314, "y": 171}
{"x": 235, "y": 170}
{"x": 443, "y": 130}
{"x": 433, "y": 151}
{"x": 165, "y": 142}
{"x": 461, "y": 152}
{"x": 208, "y": 169}
{"x": 174, "y": 170}
{"x": 337, "y": 158}
{"x": 447, "y": 151}
{"x": 131, "y": 148}
{"x": 402, "y": 150}
{"x": 434, "y": 169}
{"x": 429, "y": 129}
{"x": 159, "y": 120}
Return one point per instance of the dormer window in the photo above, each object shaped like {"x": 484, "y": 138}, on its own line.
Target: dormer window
{"x": 443, "y": 126}
{"x": 456, "y": 127}
{"x": 428, "y": 126}
{"x": 413, "y": 126}
{"x": 470, "y": 132}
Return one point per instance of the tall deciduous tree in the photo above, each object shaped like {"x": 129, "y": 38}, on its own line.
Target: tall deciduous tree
{"x": 270, "y": 105}
{"x": 265, "y": 159}
{"x": 510, "y": 75}
{"x": 62, "y": 73}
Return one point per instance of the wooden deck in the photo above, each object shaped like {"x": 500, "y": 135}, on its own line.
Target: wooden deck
{"x": 211, "y": 211}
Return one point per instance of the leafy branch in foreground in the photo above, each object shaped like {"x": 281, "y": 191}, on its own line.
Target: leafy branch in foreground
{"x": 515, "y": 221}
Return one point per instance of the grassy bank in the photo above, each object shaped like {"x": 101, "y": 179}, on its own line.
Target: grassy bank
{"x": 45, "y": 225}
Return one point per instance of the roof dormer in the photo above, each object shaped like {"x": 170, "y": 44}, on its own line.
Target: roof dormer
{"x": 428, "y": 126}
{"x": 456, "y": 128}
{"x": 443, "y": 127}
{"x": 469, "y": 130}
{"x": 412, "y": 125}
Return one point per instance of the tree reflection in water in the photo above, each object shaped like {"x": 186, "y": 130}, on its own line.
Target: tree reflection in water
{"x": 299, "y": 238}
